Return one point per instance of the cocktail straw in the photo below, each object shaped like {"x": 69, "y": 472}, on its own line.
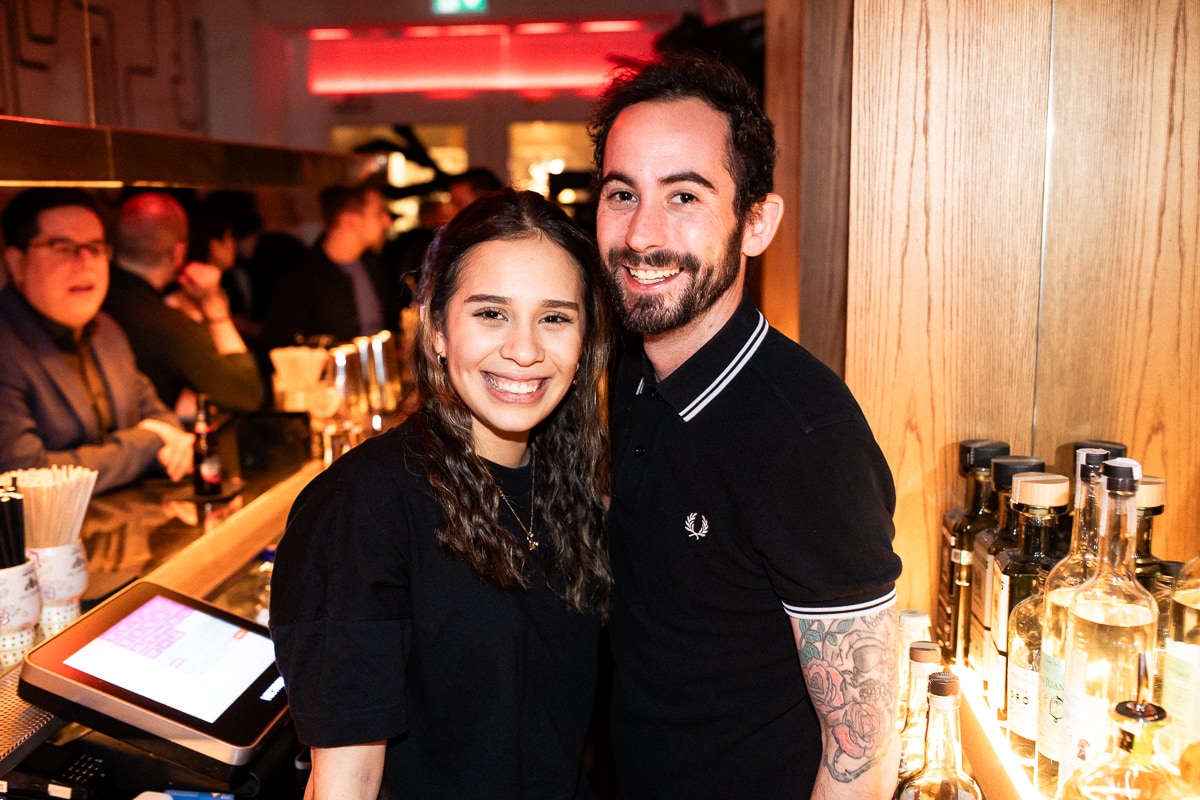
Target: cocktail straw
{"x": 55, "y": 502}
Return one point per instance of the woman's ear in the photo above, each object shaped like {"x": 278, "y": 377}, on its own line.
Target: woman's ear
{"x": 761, "y": 226}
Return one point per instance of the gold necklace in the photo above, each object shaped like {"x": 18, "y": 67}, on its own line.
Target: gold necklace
{"x": 533, "y": 545}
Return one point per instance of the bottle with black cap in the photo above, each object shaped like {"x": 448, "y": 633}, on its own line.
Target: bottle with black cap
{"x": 1132, "y": 771}
{"x": 989, "y": 543}
{"x": 206, "y": 463}
{"x": 1062, "y": 582}
{"x": 1112, "y": 618}
{"x": 953, "y": 612}
{"x": 942, "y": 776}
{"x": 1114, "y": 450}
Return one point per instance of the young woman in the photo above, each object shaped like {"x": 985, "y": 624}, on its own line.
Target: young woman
{"x": 438, "y": 592}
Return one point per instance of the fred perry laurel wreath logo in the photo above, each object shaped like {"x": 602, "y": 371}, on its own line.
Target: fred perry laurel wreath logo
{"x": 690, "y": 526}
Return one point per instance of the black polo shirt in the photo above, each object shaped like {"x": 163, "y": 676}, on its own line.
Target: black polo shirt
{"x": 746, "y": 482}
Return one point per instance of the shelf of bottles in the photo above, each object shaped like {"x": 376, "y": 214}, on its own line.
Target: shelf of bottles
{"x": 1078, "y": 652}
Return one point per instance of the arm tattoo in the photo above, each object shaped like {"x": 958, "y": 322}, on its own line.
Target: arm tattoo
{"x": 850, "y": 668}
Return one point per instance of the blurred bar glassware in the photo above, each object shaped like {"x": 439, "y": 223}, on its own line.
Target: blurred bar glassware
{"x": 351, "y": 383}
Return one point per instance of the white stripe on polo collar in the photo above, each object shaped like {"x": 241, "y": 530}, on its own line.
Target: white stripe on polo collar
{"x": 730, "y": 372}
{"x": 727, "y": 375}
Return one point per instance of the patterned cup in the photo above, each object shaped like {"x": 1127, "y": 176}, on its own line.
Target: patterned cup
{"x": 20, "y": 604}
{"x": 63, "y": 577}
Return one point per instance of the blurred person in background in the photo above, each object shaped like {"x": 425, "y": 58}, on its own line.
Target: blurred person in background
{"x": 211, "y": 241}
{"x": 470, "y": 185}
{"x": 438, "y": 593}
{"x": 340, "y": 289}
{"x": 70, "y": 390}
{"x": 188, "y": 346}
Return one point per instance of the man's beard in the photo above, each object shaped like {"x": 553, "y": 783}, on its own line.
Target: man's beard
{"x": 646, "y": 314}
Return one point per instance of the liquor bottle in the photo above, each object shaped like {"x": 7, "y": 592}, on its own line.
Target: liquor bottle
{"x": 924, "y": 659}
{"x": 952, "y": 616}
{"x": 1114, "y": 450}
{"x": 1024, "y": 657}
{"x": 1132, "y": 771}
{"x": 1111, "y": 620}
{"x": 1067, "y": 576}
{"x": 1181, "y": 670}
{"x": 1038, "y": 500}
{"x": 1164, "y": 582}
{"x": 206, "y": 463}
{"x": 942, "y": 776}
{"x": 988, "y": 543}
{"x": 914, "y": 627}
{"x": 1151, "y": 499}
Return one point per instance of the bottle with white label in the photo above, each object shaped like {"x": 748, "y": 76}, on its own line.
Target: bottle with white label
{"x": 1181, "y": 670}
{"x": 1038, "y": 500}
{"x": 1062, "y": 582}
{"x": 1112, "y": 620}
{"x": 1134, "y": 771}
{"x": 988, "y": 544}
{"x": 1024, "y": 660}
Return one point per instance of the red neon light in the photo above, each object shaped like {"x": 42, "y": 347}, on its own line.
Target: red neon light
{"x": 539, "y": 65}
{"x": 611, "y": 26}
{"x": 537, "y": 28}
{"x": 328, "y": 34}
{"x": 428, "y": 31}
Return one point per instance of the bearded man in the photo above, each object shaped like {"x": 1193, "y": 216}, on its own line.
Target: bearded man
{"x": 753, "y": 620}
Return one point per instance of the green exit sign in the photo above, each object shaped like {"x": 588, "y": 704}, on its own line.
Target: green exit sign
{"x": 459, "y": 6}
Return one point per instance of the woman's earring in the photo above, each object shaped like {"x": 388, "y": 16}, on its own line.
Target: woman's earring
{"x": 441, "y": 359}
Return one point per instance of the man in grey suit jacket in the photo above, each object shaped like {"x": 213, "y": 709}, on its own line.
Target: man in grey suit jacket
{"x": 70, "y": 391}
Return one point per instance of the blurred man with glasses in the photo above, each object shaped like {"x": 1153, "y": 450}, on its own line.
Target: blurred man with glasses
{"x": 70, "y": 391}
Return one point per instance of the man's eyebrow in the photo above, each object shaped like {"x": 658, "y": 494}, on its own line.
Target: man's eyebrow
{"x": 688, "y": 176}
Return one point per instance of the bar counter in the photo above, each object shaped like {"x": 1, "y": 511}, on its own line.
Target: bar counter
{"x": 161, "y": 531}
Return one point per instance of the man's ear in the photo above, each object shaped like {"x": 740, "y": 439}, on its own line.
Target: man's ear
{"x": 14, "y": 259}
{"x": 179, "y": 255}
{"x": 762, "y": 225}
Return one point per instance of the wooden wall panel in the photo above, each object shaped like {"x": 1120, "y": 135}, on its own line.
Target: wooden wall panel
{"x": 1120, "y": 346}
{"x": 946, "y": 189}
{"x": 780, "y": 283}
{"x": 809, "y": 47}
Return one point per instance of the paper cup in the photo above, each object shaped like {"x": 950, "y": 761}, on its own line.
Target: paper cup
{"x": 20, "y": 604}
{"x": 62, "y": 575}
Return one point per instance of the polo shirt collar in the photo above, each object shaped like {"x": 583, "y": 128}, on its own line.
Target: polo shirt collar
{"x": 700, "y": 379}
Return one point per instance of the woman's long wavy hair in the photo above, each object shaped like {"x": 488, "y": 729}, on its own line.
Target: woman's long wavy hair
{"x": 570, "y": 445}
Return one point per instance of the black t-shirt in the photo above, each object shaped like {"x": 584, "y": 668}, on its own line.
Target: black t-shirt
{"x": 746, "y": 483}
{"x": 380, "y": 634}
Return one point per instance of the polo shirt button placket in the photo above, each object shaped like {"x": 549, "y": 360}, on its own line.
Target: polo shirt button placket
{"x": 640, "y": 450}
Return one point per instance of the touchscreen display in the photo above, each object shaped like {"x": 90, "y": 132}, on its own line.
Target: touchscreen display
{"x": 177, "y": 656}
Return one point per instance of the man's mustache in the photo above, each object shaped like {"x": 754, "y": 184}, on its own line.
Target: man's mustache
{"x": 655, "y": 259}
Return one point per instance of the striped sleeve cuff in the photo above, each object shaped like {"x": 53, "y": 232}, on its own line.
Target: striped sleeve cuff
{"x": 849, "y": 610}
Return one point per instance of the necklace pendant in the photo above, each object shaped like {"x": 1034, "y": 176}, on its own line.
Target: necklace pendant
{"x": 532, "y": 545}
